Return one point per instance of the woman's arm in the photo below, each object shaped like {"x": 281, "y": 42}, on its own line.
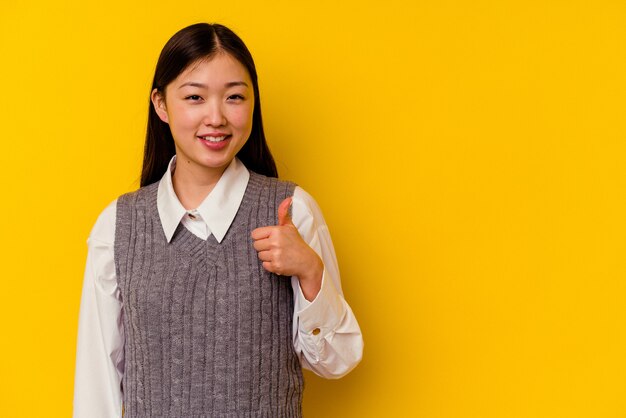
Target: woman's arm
{"x": 326, "y": 333}
{"x": 100, "y": 354}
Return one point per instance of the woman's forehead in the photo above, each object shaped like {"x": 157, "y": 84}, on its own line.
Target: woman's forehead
{"x": 220, "y": 67}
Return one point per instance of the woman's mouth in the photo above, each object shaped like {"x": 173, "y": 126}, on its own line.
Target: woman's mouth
{"x": 214, "y": 139}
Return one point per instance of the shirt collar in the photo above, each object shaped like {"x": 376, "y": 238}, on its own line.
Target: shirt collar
{"x": 218, "y": 209}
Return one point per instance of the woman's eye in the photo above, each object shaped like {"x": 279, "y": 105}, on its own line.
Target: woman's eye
{"x": 193, "y": 97}
{"x": 235, "y": 97}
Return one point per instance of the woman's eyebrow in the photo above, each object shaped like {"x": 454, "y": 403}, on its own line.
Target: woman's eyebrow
{"x": 236, "y": 83}
{"x": 204, "y": 86}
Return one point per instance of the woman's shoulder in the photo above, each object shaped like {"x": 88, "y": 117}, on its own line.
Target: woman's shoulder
{"x": 305, "y": 207}
{"x": 268, "y": 188}
{"x": 303, "y": 197}
{"x": 141, "y": 194}
{"x": 103, "y": 229}
{"x": 266, "y": 181}
{"x": 303, "y": 201}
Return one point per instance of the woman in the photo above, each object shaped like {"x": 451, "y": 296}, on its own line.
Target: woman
{"x": 186, "y": 310}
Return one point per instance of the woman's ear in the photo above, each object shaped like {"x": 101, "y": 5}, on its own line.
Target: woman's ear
{"x": 158, "y": 101}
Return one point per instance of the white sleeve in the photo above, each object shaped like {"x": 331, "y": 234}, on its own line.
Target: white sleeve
{"x": 326, "y": 333}
{"x": 100, "y": 348}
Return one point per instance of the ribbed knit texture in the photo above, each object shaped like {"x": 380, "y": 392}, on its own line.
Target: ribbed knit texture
{"x": 208, "y": 332}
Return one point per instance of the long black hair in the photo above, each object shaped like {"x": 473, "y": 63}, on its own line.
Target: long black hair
{"x": 195, "y": 42}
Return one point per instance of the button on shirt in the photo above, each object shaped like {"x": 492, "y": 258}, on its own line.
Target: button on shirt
{"x": 326, "y": 335}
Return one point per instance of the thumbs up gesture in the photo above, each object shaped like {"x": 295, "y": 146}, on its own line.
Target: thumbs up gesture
{"x": 283, "y": 251}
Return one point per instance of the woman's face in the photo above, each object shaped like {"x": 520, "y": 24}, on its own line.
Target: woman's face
{"x": 209, "y": 110}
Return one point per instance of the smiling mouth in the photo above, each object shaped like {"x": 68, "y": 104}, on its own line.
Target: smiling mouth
{"x": 214, "y": 138}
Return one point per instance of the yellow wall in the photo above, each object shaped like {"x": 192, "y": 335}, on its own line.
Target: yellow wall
{"x": 468, "y": 155}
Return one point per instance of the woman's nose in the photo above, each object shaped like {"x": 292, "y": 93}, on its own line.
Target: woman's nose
{"x": 213, "y": 115}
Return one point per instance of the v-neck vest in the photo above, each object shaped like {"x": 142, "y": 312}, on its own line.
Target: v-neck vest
{"x": 208, "y": 331}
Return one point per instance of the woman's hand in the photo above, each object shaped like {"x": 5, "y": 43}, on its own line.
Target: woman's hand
{"x": 283, "y": 251}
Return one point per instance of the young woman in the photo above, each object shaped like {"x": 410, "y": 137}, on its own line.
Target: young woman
{"x": 208, "y": 288}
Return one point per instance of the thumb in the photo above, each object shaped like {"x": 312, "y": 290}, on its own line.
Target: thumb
{"x": 284, "y": 218}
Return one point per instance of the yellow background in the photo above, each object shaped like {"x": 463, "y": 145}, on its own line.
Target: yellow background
{"x": 468, "y": 155}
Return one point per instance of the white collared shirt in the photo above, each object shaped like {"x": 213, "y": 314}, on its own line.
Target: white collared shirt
{"x": 326, "y": 334}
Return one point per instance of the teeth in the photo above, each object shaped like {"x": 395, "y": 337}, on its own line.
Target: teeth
{"x": 214, "y": 138}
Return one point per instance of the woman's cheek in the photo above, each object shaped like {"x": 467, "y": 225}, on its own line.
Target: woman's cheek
{"x": 238, "y": 116}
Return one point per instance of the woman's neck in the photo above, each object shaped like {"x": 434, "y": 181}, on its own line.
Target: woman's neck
{"x": 192, "y": 184}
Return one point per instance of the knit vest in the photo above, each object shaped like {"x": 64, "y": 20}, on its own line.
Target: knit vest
{"x": 208, "y": 331}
